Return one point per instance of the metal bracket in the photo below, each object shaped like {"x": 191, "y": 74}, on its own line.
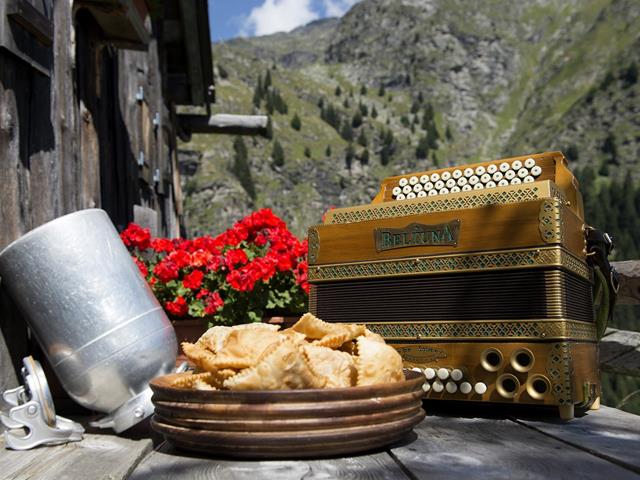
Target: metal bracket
{"x": 32, "y": 411}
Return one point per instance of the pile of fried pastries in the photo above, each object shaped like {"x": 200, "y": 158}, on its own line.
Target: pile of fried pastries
{"x": 310, "y": 354}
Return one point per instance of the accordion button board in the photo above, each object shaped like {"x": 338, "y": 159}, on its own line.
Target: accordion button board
{"x": 481, "y": 281}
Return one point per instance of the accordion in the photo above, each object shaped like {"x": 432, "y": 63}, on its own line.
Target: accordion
{"x": 478, "y": 275}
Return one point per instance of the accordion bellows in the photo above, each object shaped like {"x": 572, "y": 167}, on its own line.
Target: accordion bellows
{"x": 464, "y": 269}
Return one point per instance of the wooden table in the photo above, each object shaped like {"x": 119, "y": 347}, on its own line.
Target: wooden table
{"x": 447, "y": 444}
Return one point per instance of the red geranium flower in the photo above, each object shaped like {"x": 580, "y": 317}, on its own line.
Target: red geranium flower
{"x": 141, "y": 266}
{"x": 136, "y": 236}
{"x": 193, "y": 280}
{"x": 181, "y": 258}
{"x": 215, "y": 303}
{"x": 234, "y": 257}
{"x": 177, "y": 308}
{"x": 162, "y": 245}
{"x": 166, "y": 271}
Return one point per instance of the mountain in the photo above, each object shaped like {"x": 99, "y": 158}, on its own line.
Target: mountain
{"x": 459, "y": 84}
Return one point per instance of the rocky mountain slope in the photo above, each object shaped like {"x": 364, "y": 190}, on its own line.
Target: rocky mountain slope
{"x": 402, "y": 85}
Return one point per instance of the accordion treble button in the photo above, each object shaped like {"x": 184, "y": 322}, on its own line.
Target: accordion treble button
{"x": 451, "y": 387}
{"x": 437, "y": 386}
{"x": 456, "y": 374}
{"x": 480, "y": 388}
{"x": 430, "y": 373}
{"x": 465, "y": 387}
{"x": 426, "y": 387}
{"x": 443, "y": 373}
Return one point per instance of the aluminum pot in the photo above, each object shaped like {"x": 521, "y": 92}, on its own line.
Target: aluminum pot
{"x": 94, "y": 315}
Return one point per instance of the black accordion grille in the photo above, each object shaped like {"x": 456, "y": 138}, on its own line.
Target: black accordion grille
{"x": 499, "y": 295}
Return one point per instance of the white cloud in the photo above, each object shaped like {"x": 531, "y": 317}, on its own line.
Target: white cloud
{"x": 278, "y": 16}
{"x": 337, "y": 8}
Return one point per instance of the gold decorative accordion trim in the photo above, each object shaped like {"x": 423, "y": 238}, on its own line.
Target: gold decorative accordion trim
{"x": 314, "y": 245}
{"x": 479, "y": 330}
{"x": 504, "y": 259}
{"x": 559, "y": 369}
{"x": 551, "y": 225}
{"x": 461, "y": 201}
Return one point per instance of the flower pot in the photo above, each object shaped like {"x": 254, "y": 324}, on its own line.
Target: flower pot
{"x": 187, "y": 330}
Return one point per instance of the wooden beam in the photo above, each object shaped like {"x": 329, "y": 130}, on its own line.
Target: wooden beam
{"x": 223, "y": 123}
{"x": 189, "y": 14}
{"x": 629, "y": 275}
{"x": 620, "y": 352}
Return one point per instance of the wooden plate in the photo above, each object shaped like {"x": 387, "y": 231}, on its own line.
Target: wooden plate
{"x": 287, "y": 423}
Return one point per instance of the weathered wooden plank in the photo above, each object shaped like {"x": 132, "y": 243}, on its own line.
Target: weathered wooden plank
{"x": 620, "y": 352}
{"x": 609, "y": 433}
{"x": 224, "y": 123}
{"x": 629, "y": 276}
{"x": 453, "y": 447}
{"x": 168, "y": 463}
{"x": 95, "y": 457}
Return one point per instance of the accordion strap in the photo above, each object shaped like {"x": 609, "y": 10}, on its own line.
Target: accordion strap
{"x": 599, "y": 247}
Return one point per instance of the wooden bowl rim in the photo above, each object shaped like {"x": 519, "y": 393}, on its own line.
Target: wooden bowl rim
{"x": 161, "y": 386}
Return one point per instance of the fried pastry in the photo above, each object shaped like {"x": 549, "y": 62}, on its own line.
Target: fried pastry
{"x": 377, "y": 362}
{"x": 338, "y": 367}
{"x": 284, "y": 368}
{"x": 243, "y": 347}
{"x": 189, "y": 380}
{"x": 200, "y": 356}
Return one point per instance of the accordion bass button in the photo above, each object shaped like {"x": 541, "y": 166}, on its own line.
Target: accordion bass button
{"x": 439, "y": 185}
{"x": 435, "y": 177}
{"x": 417, "y": 188}
{"x": 516, "y": 181}
{"x": 403, "y": 182}
{"x": 430, "y": 373}
{"x": 451, "y": 387}
{"x": 456, "y": 375}
{"x": 443, "y": 191}
{"x": 536, "y": 171}
{"x": 491, "y": 169}
{"x": 424, "y": 179}
{"x": 396, "y": 191}
{"x": 411, "y": 195}
{"x": 465, "y": 387}
{"x": 497, "y": 176}
{"x": 437, "y": 386}
{"x": 467, "y": 188}
{"x": 516, "y": 165}
{"x": 407, "y": 189}
{"x": 450, "y": 183}
{"x": 478, "y": 186}
{"x": 457, "y": 174}
{"x": 473, "y": 179}
{"x": 468, "y": 172}
{"x": 480, "y": 388}
{"x": 503, "y": 183}
{"x": 480, "y": 170}
{"x": 433, "y": 193}
{"x": 462, "y": 181}
{"x": 422, "y": 194}
{"x": 528, "y": 179}
{"x": 400, "y": 196}
{"x": 455, "y": 189}
{"x": 509, "y": 175}
{"x": 443, "y": 373}
{"x": 529, "y": 163}
{"x": 490, "y": 184}
{"x": 446, "y": 175}
{"x": 428, "y": 186}
{"x": 523, "y": 172}
{"x": 504, "y": 167}
{"x": 414, "y": 180}
{"x": 485, "y": 178}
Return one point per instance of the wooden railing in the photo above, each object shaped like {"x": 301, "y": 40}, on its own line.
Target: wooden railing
{"x": 620, "y": 349}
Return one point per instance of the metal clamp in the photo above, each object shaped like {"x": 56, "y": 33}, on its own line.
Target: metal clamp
{"x": 32, "y": 410}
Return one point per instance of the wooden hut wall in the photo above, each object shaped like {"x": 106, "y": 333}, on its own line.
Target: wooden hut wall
{"x": 74, "y": 140}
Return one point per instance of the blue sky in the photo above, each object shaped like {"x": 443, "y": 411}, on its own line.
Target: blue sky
{"x": 233, "y": 18}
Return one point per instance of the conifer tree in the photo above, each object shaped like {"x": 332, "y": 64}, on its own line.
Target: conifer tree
{"x": 364, "y": 111}
{"x": 338, "y": 91}
{"x": 381, "y": 91}
{"x": 362, "y": 138}
{"x": 267, "y": 80}
{"x": 364, "y": 157}
{"x": 348, "y": 156}
{"x": 307, "y": 152}
{"x": 327, "y": 151}
{"x": 345, "y": 103}
{"x": 356, "y": 121}
{"x": 363, "y": 89}
{"x": 277, "y": 154}
{"x": 296, "y": 124}
{"x": 346, "y": 132}
{"x": 374, "y": 112}
{"x": 422, "y": 150}
{"x": 241, "y": 168}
